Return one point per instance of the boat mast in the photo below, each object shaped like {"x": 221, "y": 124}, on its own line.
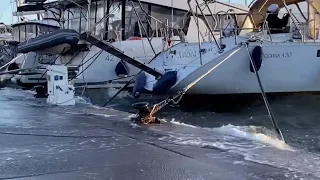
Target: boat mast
{"x": 123, "y": 20}
{"x": 107, "y": 11}
{"x": 89, "y": 16}
{"x": 308, "y": 11}
{"x": 171, "y": 18}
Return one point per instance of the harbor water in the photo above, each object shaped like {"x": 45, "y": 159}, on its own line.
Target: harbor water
{"x": 198, "y": 139}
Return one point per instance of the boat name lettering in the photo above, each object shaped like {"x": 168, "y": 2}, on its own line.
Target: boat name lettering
{"x": 187, "y": 54}
{"x": 278, "y": 55}
{"x": 109, "y": 58}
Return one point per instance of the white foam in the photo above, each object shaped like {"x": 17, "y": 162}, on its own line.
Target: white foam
{"x": 182, "y": 124}
{"x": 245, "y": 132}
{"x": 130, "y": 116}
{"x": 258, "y": 145}
{"x": 250, "y": 133}
{"x": 112, "y": 91}
{"x": 81, "y": 100}
{"x": 104, "y": 115}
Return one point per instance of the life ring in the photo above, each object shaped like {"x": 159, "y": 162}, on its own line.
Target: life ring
{"x": 134, "y": 38}
{"x": 257, "y": 56}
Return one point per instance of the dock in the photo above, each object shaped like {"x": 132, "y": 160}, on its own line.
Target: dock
{"x": 39, "y": 141}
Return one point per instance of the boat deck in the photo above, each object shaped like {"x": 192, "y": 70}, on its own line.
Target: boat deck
{"x": 39, "y": 141}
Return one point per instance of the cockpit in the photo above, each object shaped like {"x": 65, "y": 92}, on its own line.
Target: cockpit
{"x": 297, "y": 17}
{"x": 275, "y": 23}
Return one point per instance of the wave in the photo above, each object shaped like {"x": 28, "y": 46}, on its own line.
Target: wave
{"x": 255, "y": 144}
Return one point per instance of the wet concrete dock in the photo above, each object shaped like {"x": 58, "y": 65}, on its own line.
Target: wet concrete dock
{"x": 39, "y": 141}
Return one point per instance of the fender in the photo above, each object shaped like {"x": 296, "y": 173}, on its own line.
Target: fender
{"x": 257, "y": 56}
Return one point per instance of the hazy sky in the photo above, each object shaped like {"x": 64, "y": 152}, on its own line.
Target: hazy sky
{"x": 6, "y": 11}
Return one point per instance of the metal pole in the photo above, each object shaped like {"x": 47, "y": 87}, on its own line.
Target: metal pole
{"x": 291, "y": 16}
{"x": 106, "y": 11}
{"x": 89, "y": 16}
{"x": 308, "y": 9}
{"x": 171, "y": 18}
{"x": 264, "y": 96}
{"x": 148, "y": 14}
{"x": 207, "y": 23}
{"x": 62, "y": 20}
{"x": 123, "y": 20}
{"x": 195, "y": 17}
{"x": 142, "y": 27}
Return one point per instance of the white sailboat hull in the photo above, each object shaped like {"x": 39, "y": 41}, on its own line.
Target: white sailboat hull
{"x": 286, "y": 67}
{"x": 101, "y": 68}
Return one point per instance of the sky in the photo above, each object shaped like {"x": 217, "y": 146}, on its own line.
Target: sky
{"x": 6, "y": 12}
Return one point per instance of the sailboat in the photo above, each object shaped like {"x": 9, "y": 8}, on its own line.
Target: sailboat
{"x": 105, "y": 71}
{"x": 138, "y": 38}
{"x": 285, "y": 62}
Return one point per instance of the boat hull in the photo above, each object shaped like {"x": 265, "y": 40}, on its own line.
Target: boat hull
{"x": 100, "y": 68}
{"x": 286, "y": 67}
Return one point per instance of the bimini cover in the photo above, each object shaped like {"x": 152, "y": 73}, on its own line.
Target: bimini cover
{"x": 164, "y": 84}
{"x": 58, "y": 37}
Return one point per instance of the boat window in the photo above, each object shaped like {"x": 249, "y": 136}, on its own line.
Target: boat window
{"x": 75, "y": 19}
{"x": 164, "y": 14}
{"x": 133, "y": 27}
{"x": 46, "y": 59}
{"x": 114, "y": 22}
{"x": 97, "y": 17}
{"x": 23, "y": 32}
{"x": 16, "y": 34}
{"x": 26, "y": 31}
{"x": 43, "y": 29}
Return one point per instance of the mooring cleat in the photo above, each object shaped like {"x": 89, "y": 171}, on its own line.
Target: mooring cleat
{"x": 143, "y": 114}
{"x": 143, "y": 120}
{"x": 141, "y": 106}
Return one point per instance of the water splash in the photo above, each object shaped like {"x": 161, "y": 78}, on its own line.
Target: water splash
{"x": 112, "y": 91}
{"x": 173, "y": 121}
{"x": 255, "y": 144}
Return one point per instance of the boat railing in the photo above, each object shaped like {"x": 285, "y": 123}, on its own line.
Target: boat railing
{"x": 211, "y": 30}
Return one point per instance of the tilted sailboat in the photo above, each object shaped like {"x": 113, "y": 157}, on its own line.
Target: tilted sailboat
{"x": 284, "y": 61}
